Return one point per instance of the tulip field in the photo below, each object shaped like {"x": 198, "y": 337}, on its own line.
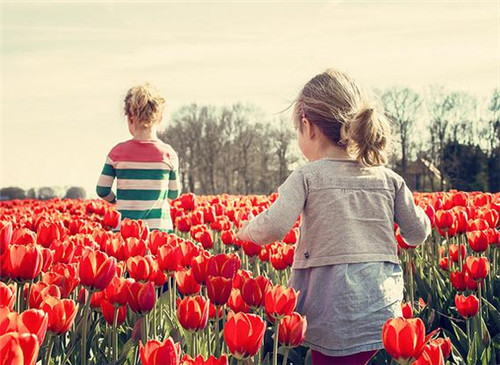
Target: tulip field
{"x": 76, "y": 289}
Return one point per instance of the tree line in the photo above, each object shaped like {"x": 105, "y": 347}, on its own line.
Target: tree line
{"x": 236, "y": 149}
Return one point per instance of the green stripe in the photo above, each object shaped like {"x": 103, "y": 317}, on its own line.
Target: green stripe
{"x": 133, "y": 194}
{"x": 173, "y": 194}
{"x": 108, "y": 170}
{"x": 173, "y": 175}
{"x": 142, "y": 174}
{"x": 145, "y": 214}
{"x": 103, "y": 191}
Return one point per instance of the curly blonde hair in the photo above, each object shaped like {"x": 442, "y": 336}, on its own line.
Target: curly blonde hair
{"x": 144, "y": 104}
{"x": 346, "y": 115}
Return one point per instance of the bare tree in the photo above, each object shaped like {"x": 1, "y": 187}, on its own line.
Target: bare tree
{"x": 402, "y": 105}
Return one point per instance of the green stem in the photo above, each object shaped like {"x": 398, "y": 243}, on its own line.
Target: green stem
{"x": 449, "y": 259}
{"x": 209, "y": 343}
{"x": 83, "y": 358}
{"x": 479, "y": 285}
{"x": 410, "y": 274}
{"x": 193, "y": 344}
{"x": 28, "y": 294}
{"x": 275, "y": 347}
{"x": 50, "y": 346}
{"x": 285, "y": 356}
{"x": 115, "y": 335}
{"x": 217, "y": 342}
{"x": 467, "y": 328}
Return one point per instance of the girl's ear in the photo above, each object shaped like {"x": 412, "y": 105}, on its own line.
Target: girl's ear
{"x": 309, "y": 128}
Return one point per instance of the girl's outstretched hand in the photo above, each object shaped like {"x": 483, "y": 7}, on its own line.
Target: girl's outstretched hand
{"x": 243, "y": 231}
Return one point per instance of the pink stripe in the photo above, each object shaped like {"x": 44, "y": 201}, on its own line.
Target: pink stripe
{"x": 141, "y": 151}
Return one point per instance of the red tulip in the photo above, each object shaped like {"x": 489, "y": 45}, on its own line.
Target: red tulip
{"x": 111, "y": 219}
{"x": 64, "y": 276}
{"x": 117, "y": 291}
{"x": 61, "y": 313}
{"x": 16, "y": 348}
{"x": 134, "y": 228}
{"x": 23, "y": 236}
{"x": 219, "y": 289}
{"x": 236, "y": 302}
{"x": 454, "y": 252}
{"x": 22, "y": 263}
{"x": 139, "y": 268}
{"x": 292, "y": 236}
{"x": 186, "y": 282}
{"x": 444, "y": 219}
{"x": 108, "y": 312}
{"x": 97, "y": 270}
{"x": 31, "y": 321}
{"x": 160, "y": 353}
{"x": 292, "y": 330}
{"x": 458, "y": 280}
{"x": 199, "y": 360}
{"x": 5, "y": 235}
{"x": 443, "y": 263}
{"x": 280, "y": 301}
{"x": 477, "y": 267}
{"x": 478, "y": 240}
{"x": 7, "y": 295}
{"x": 432, "y": 355}
{"x": 407, "y": 310}
{"x": 169, "y": 258}
{"x": 40, "y": 291}
{"x": 243, "y": 334}
{"x": 47, "y": 233}
{"x": 199, "y": 265}
{"x": 142, "y": 297}
{"x": 192, "y": 313}
{"x": 224, "y": 265}
{"x": 228, "y": 237}
{"x": 156, "y": 240}
{"x": 445, "y": 344}
{"x": 404, "y": 339}
{"x": 253, "y": 291}
{"x": 157, "y": 276}
{"x": 134, "y": 247}
{"x": 467, "y": 306}
{"x": 206, "y": 240}
{"x": 240, "y": 277}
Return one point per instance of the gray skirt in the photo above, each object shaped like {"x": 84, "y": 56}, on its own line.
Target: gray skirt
{"x": 346, "y": 305}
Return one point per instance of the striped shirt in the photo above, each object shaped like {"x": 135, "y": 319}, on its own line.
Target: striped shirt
{"x": 146, "y": 173}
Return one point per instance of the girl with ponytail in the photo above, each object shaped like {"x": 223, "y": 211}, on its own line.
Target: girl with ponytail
{"x": 346, "y": 264}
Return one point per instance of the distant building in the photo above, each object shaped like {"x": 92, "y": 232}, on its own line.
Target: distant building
{"x": 422, "y": 175}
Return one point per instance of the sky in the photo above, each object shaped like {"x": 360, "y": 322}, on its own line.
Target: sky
{"x": 66, "y": 65}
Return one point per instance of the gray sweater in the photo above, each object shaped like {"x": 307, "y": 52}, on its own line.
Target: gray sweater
{"x": 348, "y": 211}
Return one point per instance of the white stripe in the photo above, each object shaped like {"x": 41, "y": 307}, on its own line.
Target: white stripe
{"x": 143, "y": 184}
{"x": 143, "y": 165}
{"x": 174, "y": 185}
{"x": 110, "y": 161}
{"x": 142, "y": 204}
{"x": 105, "y": 181}
{"x": 159, "y": 223}
{"x": 110, "y": 197}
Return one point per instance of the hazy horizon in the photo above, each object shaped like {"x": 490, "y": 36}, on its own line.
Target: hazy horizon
{"x": 67, "y": 65}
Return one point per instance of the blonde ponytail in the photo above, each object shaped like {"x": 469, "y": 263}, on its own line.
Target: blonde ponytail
{"x": 347, "y": 116}
{"x": 370, "y": 135}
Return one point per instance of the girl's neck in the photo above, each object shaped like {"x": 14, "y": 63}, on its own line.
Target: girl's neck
{"x": 329, "y": 150}
{"x": 145, "y": 134}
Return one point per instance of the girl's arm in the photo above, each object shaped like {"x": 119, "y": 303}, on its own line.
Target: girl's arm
{"x": 174, "y": 185}
{"x": 105, "y": 182}
{"x": 413, "y": 223}
{"x": 274, "y": 223}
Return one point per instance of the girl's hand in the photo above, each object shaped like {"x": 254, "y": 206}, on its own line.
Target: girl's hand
{"x": 242, "y": 232}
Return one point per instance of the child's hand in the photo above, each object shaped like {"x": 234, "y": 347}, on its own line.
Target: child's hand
{"x": 242, "y": 232}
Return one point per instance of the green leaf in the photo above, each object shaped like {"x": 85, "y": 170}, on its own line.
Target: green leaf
{"x": 493, "y": 312}
{"x": 472, "y": 355}
{"x": 461, "y": 336}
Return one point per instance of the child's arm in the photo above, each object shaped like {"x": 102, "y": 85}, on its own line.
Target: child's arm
{"x": 274, "y": 223}
{"x": 105, "y": 182}
{"x": 174, "y": 186}
{"x": 413, "y": 223}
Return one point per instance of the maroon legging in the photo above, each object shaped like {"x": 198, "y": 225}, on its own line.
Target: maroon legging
{"x": 361, "y": 358}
